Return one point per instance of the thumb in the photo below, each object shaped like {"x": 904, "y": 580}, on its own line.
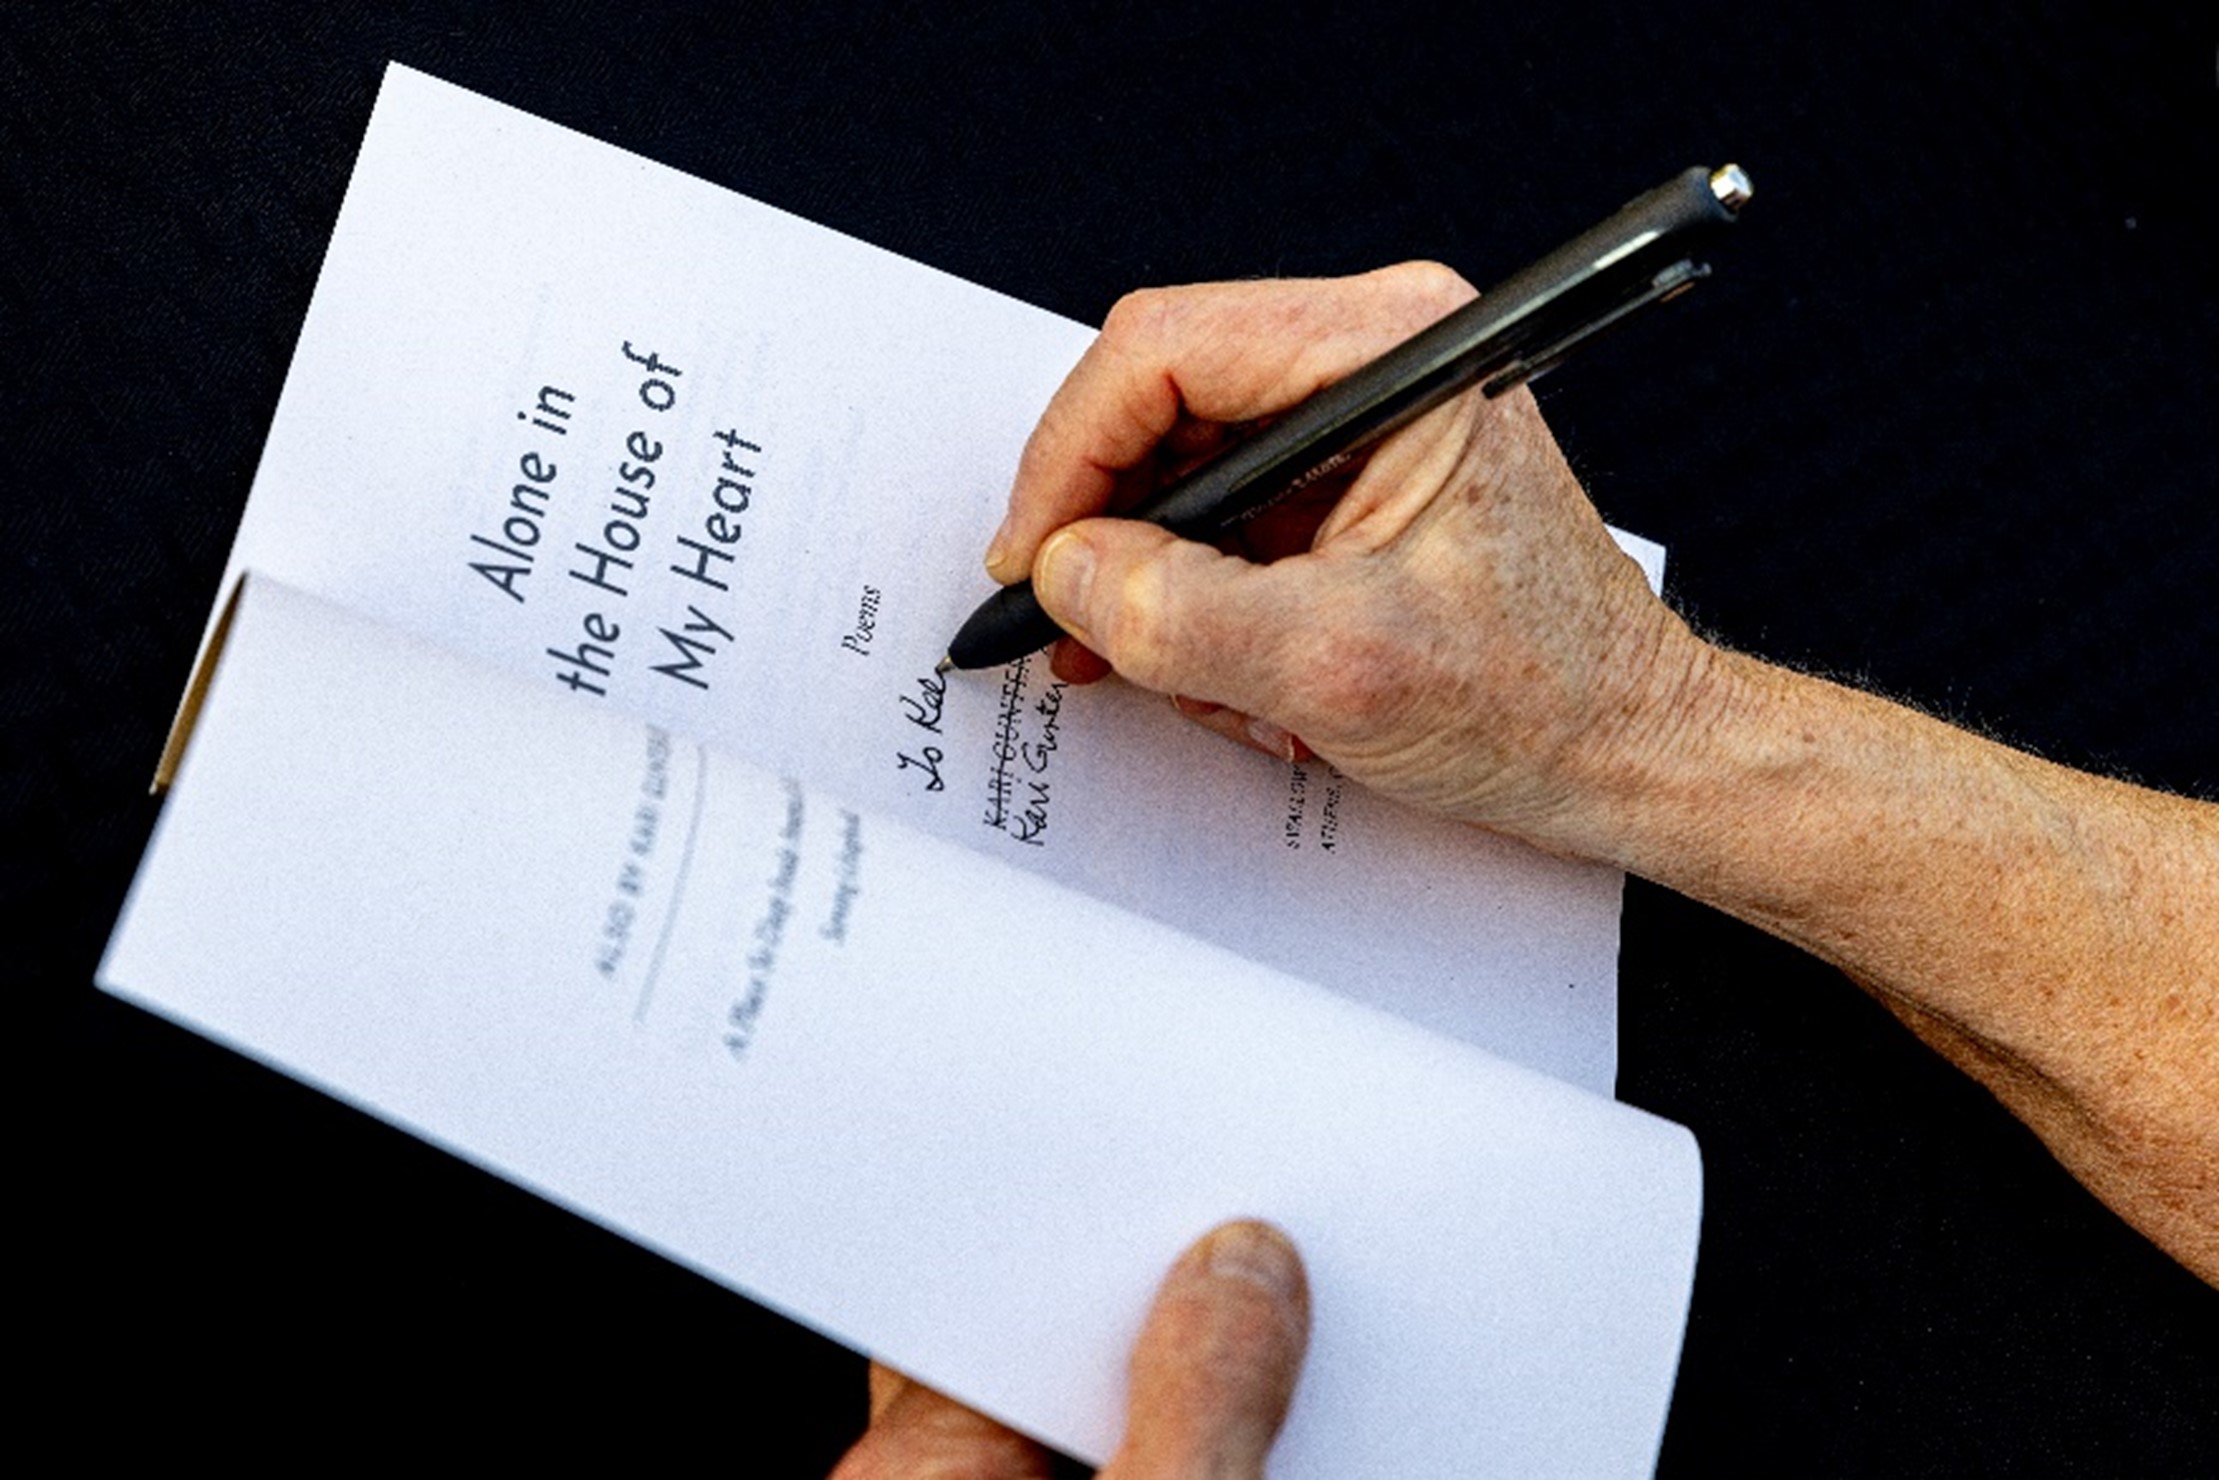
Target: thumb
{"x": 1169, "y": 614}
{"x": 1215, "y": 1367}
{"x": 919, "y": 1434}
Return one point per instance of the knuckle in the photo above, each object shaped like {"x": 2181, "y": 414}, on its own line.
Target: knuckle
{"x": 1137, "y": 318}
{"x": 1040, "y": 456}
{"x": 1346, "y": 676}
{"x": 1433, "y": 285}
{"x": 1138, "y": 632}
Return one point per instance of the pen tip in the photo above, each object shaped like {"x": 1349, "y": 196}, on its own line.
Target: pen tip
{"x": 944, "y": 667}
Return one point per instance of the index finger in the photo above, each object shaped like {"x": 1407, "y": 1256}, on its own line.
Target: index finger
{"x": 1220, "y": 352}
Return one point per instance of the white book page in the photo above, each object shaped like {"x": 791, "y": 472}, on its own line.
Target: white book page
{"x": 945, "y": 1110}
{"x": 699, "y": 461}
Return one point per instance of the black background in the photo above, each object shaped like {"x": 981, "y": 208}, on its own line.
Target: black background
{"x": 1942, "y": 424}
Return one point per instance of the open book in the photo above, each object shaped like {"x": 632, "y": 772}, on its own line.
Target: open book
{"x": 573, "y": 789}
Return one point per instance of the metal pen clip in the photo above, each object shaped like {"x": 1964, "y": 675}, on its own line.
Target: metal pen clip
{"x": 1730, "y": 186}
{"x": 1668, "y": 283}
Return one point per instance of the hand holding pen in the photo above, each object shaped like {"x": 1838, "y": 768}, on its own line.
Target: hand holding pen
{"x": 1523, "y": 327}
{"x": 1457, "y": 629}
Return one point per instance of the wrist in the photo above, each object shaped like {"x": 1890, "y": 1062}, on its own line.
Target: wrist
{"x": 1655, "y": 754}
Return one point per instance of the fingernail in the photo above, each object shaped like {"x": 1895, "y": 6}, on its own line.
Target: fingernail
{"x": 1259, "y": 1255}
{"x": 997, "y": 551}
{"x": 1061, "y": 574}
{"x": 1280, "y": 743}
{"x": 1194, "y": 708}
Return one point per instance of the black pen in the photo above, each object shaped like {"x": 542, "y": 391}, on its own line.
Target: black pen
{"x": 1514, "y": 331}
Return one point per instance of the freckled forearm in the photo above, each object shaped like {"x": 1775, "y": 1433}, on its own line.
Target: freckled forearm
{"x": 2054, "y": 934}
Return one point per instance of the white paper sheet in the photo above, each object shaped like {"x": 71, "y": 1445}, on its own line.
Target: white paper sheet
{"x": 554, "y": 399}
{"x": 943, "y": 1109}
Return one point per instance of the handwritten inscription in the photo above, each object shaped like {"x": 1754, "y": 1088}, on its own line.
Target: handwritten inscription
{"x": 925, "y": 707}
{"x": 1031, "y": 823}
{"x": 1032, "y": 817}
{"x": 926, "y": 762}
{"x": 1019, "y": 790}
{"x": 1008, "y": 723}
{"x": 1038, "y": 751}
{"x": 925, "y": 710}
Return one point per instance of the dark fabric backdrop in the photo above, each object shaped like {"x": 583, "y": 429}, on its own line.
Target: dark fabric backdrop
{"x": 1943, "y": 423}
